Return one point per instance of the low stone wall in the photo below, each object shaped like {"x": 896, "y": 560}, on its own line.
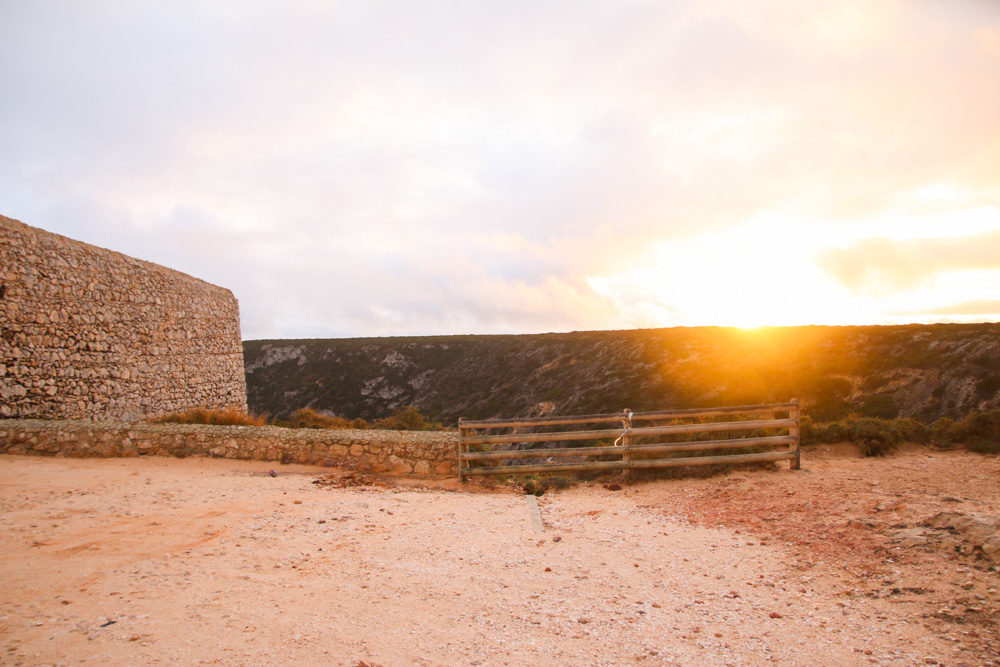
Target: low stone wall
{"x": 424, "y": 453}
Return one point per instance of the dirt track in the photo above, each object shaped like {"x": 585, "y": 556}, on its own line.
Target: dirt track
{"x": 155, "y": 561}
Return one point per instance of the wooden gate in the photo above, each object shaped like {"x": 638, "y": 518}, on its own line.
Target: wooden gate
{"x": 771, "y": 432}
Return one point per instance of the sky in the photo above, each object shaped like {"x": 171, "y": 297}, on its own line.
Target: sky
{"x": 421, "y": 167}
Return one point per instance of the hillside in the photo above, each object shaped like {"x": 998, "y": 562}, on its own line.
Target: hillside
{"x": 919, "y": 371}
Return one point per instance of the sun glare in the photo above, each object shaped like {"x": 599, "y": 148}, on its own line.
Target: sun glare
{"x": 768, "y": 271}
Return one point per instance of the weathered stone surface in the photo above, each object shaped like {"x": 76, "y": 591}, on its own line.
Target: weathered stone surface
{"x": 976, "y": 526}
{"x": 423, "y": 453}
{"x": 87, "y": 333}
{"x": 992, "y": 548}
{"x": 908, "y": 537}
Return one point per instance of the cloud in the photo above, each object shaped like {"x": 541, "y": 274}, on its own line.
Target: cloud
{"x": 881, "y": 265}
{"x": 982, "y": 308}
{"x": 389, "y": 167}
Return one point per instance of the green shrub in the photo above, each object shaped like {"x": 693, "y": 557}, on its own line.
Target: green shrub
{"x": 979, "y": 430}
{"x": 536, "y": 485}
{"x": 913, "y": 431}
{"x": 807, "y": 430}
{"x": 875, "y": 437}
{"x": 985, "y": 446}
{"x": 230, "y": 417}
{"x": 835, "y": 432}
{"x": 941, "y": 430}
{"x": 882, "y": 406}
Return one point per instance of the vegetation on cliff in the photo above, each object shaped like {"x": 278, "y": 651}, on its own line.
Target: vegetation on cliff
{"x": 918, "y": 372}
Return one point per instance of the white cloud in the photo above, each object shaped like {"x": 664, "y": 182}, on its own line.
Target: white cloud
{"x": 418, "y": 167}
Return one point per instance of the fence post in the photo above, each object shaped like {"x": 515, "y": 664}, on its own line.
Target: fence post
{"x": 627, "y": 442}
{"x": 461, "y": 434}
{"x": 796, "y": 463}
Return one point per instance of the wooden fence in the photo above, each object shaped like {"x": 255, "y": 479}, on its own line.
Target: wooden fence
{"x": 631, "y": 448}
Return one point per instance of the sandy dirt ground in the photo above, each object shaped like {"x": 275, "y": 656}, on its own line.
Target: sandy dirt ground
{"x": 163, "y": 561}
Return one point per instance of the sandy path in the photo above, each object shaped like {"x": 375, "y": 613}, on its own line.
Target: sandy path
{"x": 153, "y": 561}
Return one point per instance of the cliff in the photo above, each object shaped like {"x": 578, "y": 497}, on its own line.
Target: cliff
{"x": 919, "y": 371}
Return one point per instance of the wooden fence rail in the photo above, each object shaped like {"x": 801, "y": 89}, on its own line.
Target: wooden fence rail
{"x": 630, "y": 449}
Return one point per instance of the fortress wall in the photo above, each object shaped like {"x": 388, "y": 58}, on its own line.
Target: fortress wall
{"x": 88, "y": 333}
{"x": 425, "y": 453}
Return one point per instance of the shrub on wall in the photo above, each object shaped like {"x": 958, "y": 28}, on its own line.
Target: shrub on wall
{"x": 407, "y": 419}
{"x": 309, "y": 418}
{"x": 231, "y": 417}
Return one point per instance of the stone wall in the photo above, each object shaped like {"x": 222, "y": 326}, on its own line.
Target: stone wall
{"x": 87, "y": 333}
{"x": 425, "y": 453}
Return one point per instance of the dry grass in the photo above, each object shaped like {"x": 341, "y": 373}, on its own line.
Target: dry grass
{"x": 309, "y": 418}
{"x": 229, "y": 417}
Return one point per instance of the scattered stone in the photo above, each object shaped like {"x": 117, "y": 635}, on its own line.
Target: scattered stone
{"x": 349, "y": 480}
{"x": 991, "y": 548}
{"x": 908, "y": 537}
{"x": 975, "y": 525}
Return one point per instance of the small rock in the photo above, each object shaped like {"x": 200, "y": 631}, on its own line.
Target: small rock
{"x": 556, "y": 539}
{"x": 991, "y": 548}
{"x": 908, "y": 537}
{"x": 774, "y": 614}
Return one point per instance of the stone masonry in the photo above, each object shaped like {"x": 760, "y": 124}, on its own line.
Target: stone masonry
{"x": 423, "y": 453}
{"x": 88, "y": 333}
